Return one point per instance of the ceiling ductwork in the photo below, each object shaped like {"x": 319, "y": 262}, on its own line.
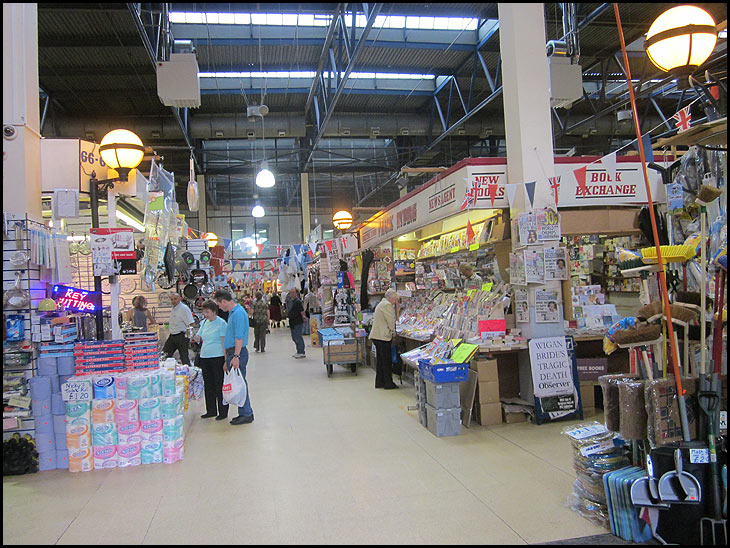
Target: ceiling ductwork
{"x": 238, "y": 127}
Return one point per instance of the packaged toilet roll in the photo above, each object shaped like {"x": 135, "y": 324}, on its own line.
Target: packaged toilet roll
{"x": 43, "y": 425}
{"x": 78, "y": 436}
{"x": 105, "y": 456}
{"x": 172, "y": 429}
{"x": 173, "y": 451}
{"x": 167, "y": 382}
{"x": 78, "y": 409}
{"x": 40, "y": 388}
{"x": 80, "y": 460}
{"x": 129, "y": 433}
{"x": 149, "y": 409}
{"x": 104, "y": 434}
{"x": 47, "y": 365}
{"x": 126, "y": 411}
{"x": 120, "y": 385}
{"x": 55, "y": 384}
{"x": 47, "y": 460}
{"x": 41, "y": 408}
{"x": 102, "y": 411}
{"x": 138, "y": 386}
{"x": 151, "y": 429}
{"x": 104, "y": 388}
{"x": 170, "y": 406}
{"x": 46, "y": 442}
{"x": 129, "y": 454}
{"x": 152, "y": 451}
{"x": 155, "y": 384}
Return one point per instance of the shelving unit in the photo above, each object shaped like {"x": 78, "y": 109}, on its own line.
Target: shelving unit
{"x": 17, "y": 239}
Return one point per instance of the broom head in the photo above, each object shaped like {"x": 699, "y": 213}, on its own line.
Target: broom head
{"x": 642, "y": 333}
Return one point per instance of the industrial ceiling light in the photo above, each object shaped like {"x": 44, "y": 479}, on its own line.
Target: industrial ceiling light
{"x": 258, "y": 211}
{"x": 342, "y": 220}
{"x": 122, "y": 151}
{"x": 680, "y": 40}
{"x": 264, "y": 178}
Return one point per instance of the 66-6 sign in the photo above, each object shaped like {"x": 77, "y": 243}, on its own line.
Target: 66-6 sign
{"x": 91, "y": 159}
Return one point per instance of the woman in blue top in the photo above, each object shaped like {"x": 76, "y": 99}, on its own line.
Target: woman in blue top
{"x": 212, "y": 359}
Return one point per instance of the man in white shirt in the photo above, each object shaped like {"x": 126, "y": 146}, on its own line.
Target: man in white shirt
{"x": 180, "y": 320}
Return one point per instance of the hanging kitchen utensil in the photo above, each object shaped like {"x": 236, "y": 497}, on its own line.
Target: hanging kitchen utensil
{"x": 205, "y": 257}
{"x": 188, "y": 258}
{"x": 190, "y": 291}
{"x": 199, "y": 276}
{"x": 163, "y": 282}
{"x": 16, "y": 297}
{"x": 199, "y": 302}
{"x": 85, "y": 246}
{"x": 73, "y": 249}
{"x": 207, "y": 289}
{"x": 192, "y": 189}
{"x": 18, "y": 258}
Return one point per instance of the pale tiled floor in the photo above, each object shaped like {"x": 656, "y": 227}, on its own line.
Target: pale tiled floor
{"x": 327, "y": 461}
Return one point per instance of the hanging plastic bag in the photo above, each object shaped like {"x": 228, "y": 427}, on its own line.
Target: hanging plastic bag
{"x": 234, "y": 388}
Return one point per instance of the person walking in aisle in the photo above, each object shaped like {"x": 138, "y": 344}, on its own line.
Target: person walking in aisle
{"x": 211, "y": 335}
{"x": 295, "y": 312}
{"x": 235, "y": 344}
{"x": 260, "y": 322}
{"x": 140, "y": 314}
{"x": 275, "y": 310}
{"x": 180, "y": 320}
{"x": 382, "y": 334}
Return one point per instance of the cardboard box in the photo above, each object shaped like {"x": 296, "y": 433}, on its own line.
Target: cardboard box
{"x": 588, "y": 395}
{"x": 488, "y": 392}
{"x": 588, "y": 412}
{"x": 511, "y": 418}
{"x": 490, "y": 414}
{"x": 486, "y": 369}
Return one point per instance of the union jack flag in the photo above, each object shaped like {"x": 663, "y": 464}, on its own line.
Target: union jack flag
{"x": 469, "y": 197}
{"x": 554, "y": 187}
{"x": 683, "y": 118}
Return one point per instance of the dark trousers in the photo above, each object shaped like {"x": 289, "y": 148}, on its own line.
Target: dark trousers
{"x": 259, "y": 332}
{"x": 180, "y": 343}
{"x": 213, "y": 383}
{"x": 383, "y": 364}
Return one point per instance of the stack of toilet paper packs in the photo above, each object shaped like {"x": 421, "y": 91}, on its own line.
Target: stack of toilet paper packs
{"x": 49, "y": 413}
{"x": 124, "y": 419}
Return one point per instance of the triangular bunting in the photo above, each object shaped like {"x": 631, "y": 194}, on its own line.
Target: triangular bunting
{"x": 262, "y": 264}
{"x": 260, "y": 247}
{"x": 648, "y": 151}
{"x": 313, "y": 247}
{"x": 609, "y": 164}
{"x": 530, "y": 188}
{"x": 469, "y": 195}
{"x": 683, "y": 118}
{"x": 328, "y": 243}
{"x": 278, "y": 250}
{"x": 309, "y": 252}
{"x": 469, "y": 233}
{"x": 511, "y": 191}
{"x": 580, "y": 178}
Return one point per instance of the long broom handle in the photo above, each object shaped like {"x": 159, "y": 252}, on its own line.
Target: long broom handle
{"x": 703, "y": 290}
{"x": 650, "y": 202}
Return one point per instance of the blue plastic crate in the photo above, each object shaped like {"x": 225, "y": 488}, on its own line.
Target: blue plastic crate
{"x": 444, "y": 372}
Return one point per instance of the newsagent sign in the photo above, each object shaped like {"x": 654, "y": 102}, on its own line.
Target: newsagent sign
{"x": 481, "y": 183}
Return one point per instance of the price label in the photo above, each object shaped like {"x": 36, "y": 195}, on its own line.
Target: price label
{"x": 551, "y": 216}
{"x": 19, "y": 401}
{"x": 454, "y": 249}
{"x": 474, "y": 247}
{"x": 699, "y": 456}
{"x": 76, "y": 391}
{"x": 487, "y": 286}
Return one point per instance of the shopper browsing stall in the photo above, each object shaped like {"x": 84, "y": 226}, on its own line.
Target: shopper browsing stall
{"x": 140, "y": 314}
{"x": 235, "y": 342}
{"x": 382, "y": 334}
{"x": 260, "y": 321}
{"x": 180, "y": 319}
{"x": 211, "y": 335}
{"x": 295, "y": 313}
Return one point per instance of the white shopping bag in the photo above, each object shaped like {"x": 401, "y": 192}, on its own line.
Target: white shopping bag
{"x": 234, "y": 388}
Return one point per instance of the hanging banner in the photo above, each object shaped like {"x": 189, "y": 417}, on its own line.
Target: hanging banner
{"x": 481, "y": 183}
{"x": 120, "y": 241}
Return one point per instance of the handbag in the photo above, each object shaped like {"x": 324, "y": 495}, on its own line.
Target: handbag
{"x": 234, "y": 388}
{"x": 196, "y": 346}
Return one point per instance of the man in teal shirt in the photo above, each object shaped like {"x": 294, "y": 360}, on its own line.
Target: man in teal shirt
{"x": 235, "y": 344}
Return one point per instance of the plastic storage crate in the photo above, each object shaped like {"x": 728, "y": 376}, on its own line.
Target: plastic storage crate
{"x": 444, "y": 372}
{"x": 442, "y": 395}
{"x": 443, "y": 422}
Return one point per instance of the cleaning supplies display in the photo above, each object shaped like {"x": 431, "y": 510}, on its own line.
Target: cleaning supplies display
{"x": 128, "y": 422}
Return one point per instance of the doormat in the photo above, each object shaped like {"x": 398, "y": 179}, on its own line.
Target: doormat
{"x": 604, "y": 539}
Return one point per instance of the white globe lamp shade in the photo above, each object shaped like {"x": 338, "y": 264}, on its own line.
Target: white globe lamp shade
{"x": 342, "y": 220}
{"x": 265, "y": 179}
{"x": 122, "y": 151}
{"x": 680, "y": 40}
{"x": 258, "y": 211}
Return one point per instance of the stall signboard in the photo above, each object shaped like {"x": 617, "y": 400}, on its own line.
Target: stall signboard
{"x": 480, "y": 183}
{"x": 551, "y": 367}
{"x": 76, "y": 300}
{"x": 119, "y": 240}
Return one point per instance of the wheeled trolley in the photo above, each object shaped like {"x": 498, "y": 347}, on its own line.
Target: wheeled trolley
{"x": 342, "y": 351}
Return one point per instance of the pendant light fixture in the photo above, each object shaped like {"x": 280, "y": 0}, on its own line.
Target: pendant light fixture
{"x": 258, "y": 211}
{"x": 264, "y": 178}
{"x": 342, "y": 220}
{"x": 680, "y": 40}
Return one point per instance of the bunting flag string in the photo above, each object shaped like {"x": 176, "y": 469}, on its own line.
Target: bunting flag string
{"x": 683, "y": 118}
{"x": 530, "y": 188}
{"x": 555, "y": 188}
{"x": 469, "y": 232}
{"x": 609, "y": 164}
{"x": 580, "y": 178}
